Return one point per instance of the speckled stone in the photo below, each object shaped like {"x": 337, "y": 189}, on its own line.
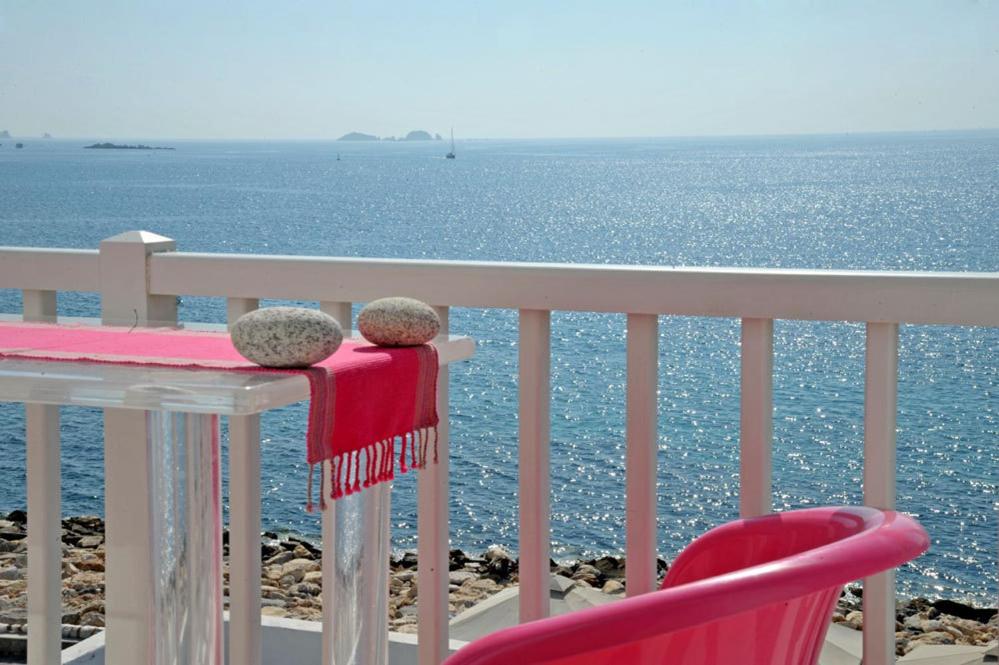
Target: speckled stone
{"x": 286, "y": 336}
{"x": 398, "y": 322}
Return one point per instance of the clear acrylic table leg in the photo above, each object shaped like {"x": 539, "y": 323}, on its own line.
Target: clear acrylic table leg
{"x": 186, "y": 532}
{"x": 360, "y": 591}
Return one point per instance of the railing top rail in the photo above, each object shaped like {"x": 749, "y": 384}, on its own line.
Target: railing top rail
{"x": 49, "y": 269}
{"x": 836, "y": 295}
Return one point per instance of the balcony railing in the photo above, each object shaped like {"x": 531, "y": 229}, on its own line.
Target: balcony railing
{"x": 138, "y": 276}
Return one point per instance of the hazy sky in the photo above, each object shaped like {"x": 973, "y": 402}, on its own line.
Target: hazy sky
{"x": 511, "y": 68}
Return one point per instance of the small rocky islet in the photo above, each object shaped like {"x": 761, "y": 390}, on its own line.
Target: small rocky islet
{"x": 121, "y": 146}
{"x": 291, "y": 586}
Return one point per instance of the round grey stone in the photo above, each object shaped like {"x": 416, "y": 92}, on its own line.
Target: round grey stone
{"x": 398, "y": 322}
{"x": 286, "y": 336}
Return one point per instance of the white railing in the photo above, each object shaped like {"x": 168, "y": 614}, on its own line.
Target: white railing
{"x": 139, "y": 276}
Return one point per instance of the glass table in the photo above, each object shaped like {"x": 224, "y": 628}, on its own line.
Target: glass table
{"x": 164, "y": 510}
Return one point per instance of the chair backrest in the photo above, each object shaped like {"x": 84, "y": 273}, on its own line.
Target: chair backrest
{"x": 758, "y": 591}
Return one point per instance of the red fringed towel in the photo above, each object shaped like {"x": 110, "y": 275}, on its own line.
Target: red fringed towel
{"x": 363, "y": 398}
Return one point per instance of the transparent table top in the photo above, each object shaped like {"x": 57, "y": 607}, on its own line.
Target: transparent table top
{"x": 167, "y": 389}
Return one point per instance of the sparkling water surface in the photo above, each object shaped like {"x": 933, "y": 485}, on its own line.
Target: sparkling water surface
{"x": 895, "y": 202}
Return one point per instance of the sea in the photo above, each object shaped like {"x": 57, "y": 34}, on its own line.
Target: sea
{"x": 906, "y": 201}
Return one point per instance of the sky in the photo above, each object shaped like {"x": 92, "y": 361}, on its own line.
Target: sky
{"x": 261, "y": 69}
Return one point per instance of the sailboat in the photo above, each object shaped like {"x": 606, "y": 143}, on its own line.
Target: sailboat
{"x": 450, "y": 155}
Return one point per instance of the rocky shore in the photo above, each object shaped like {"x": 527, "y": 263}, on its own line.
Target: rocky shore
{"x": 292, "y": 582}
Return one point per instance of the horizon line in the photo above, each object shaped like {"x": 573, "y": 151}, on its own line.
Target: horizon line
{"x": 512, "y": 138}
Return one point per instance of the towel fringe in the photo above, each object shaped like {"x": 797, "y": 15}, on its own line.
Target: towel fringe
{"x": 309, "y": 506}
{"x": 379, "y": 464}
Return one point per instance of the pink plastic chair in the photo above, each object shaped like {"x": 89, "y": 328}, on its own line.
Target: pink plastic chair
{"x": 758, "y": 591}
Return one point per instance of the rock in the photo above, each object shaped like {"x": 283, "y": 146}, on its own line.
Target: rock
{"x": 286, "y": 336}
{"x": 94, "y": 565}
{"x": 272, "y": 593}
{"x": 456, "y": 560}
{"x": 279, "y": 558}
{"x": 485, "y": 585}
{"x": 494, "y": 552}
{"x": 11, "y": 573}
{"x": 963, "y": 611}
{"x": 398, "y": 322}
{"x": 612, "y": 586}
{"x": 306, "y": 589}
{"x": 305, "y": 546}
{"x": 936, "y": 637}
{"x": 299, "y": 567}
{"x": 586, "y": 573}
{"x": 92, "y": 619}
{"x": 90, "y": 541}
{"x": 855, "y": 620}
{"x": 499, "y": 565}
{"x": 14, "y": 615}
{"x": 460, "y": 576}
{"x": 931, "y": 625}
{"x": 274, "y": 612}
{"x": 610, "y": 566}
{"x": 18, "y": 516}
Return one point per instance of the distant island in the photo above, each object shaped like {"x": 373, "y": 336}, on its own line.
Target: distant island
{"x": 358, "y": 136}
{"x": 415, "y": 135}
{"x": 418, "y": 135}
{"x": 116, "y": 146}
{"x": 46, "y": 135}
{"x": 5, "y": 135}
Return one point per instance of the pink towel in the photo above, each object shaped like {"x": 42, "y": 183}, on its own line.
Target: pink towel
{"x": 362, "y": 398}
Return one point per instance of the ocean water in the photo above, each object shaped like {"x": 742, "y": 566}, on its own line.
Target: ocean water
{"x": 896, "y": 202}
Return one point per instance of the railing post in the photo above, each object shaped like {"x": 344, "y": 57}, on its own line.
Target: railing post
{"x": 641, "y": 461}
{"x": 433, "y": 533}
{"x": 880, "y": 406}
{"x": 44, "y": 512}
{"x": 756, "y": 418}
{"x": 328, "y": 566}
{"x": 341, "y": 312}
{"x": 244, "y": 523}
{"x": 535, "y": 471}
{"x": 125, "y": 300}
{"x": 39, "y": 306}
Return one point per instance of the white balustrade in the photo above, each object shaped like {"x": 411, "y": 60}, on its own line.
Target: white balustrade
{"x": 123, "y": 265}
{"x": 535, "y": 468}
{"x": 641, "y": 459}
{"x": 880, "y": 406}
{"x": 756, "y": 418}
{"x": 244, "y": 523}
{"x": 44, "y": 513}
{"x": 139, "y": 276}
{"x": 432, "y": 531}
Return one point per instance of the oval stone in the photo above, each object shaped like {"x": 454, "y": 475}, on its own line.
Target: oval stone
{"x": 286, "y": 336}
{"x": 398, "y": 322}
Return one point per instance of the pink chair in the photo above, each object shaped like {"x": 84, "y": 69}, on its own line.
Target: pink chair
{"x": 759, "y": 591}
